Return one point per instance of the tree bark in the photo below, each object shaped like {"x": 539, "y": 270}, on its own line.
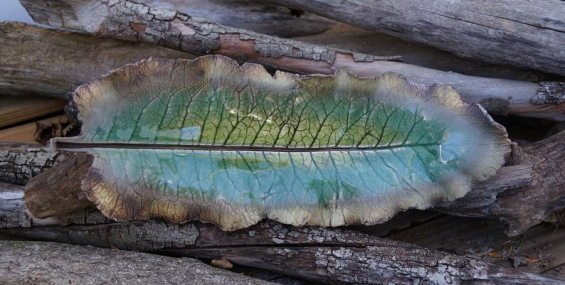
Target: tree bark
{"x": 23, "y": 262}
{"x": 19, "y": 163}
{"x": 522, "y": 33}
{"x": 127, "y": 20}
{"x": 52, "y": 63}
{"x": 266, "y": 19}
{"x": 318, "y": 254}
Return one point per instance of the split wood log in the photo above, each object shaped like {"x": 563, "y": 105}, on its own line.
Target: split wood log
{"x": 128, "y": 20}
{"x": 525, "y": 206}
{"x": 522, "y": 33}
{"x": 355, "y": 39}
{"x": 52, "y": 63}
{"x": 336, "y": 256}
{"x": 24, "y": 262}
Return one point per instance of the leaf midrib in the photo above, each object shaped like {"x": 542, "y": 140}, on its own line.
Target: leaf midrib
{"x": 80, "y": 145}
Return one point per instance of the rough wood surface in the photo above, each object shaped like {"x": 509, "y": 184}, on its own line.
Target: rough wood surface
{"x": 522, "y": 207}
{"x": 266, "y": 19}
{"x": 52, "y": 63}
{"x": 347, "y": 37}
{"x": 67, "y": 177}
{"x": 19, "y": 163}
{"x": 127, "y": 20}
{"x": 329, "y": 255}
{"x": 51, "y": 263}
{"x": 542, "y": 247}
{"x": 13, "y": 212}
{"x": 477, "y": 81}
{"x": 523, "y": 33}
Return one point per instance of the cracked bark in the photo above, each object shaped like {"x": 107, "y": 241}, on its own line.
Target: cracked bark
{"x": 19, "y": 163}
{"x": 127, "y": 20}
{"x": 270, "y": 20}
{"x": 336, "y": 256}
{"x": 522, "y": 33}
{"x": 24, "y": 262}
{"x": 52, "y": 63}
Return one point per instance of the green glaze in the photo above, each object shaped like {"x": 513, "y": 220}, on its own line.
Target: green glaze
{"x": 209, "y": 140}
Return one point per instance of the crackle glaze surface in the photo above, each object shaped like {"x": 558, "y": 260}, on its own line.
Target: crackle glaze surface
{"x": 210, "y": 140}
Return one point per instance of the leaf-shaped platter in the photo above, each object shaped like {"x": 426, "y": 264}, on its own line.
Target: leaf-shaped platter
{"x": 207, "y": 139}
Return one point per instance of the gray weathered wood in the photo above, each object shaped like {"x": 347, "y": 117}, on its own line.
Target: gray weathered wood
{"x": 266, "y": 19}
{"x": 523, "y": 33}
{"x": 337, "y": 256}
{"x": 25, "y": 262}
{"x": 52, "y": 63}
{"x": 127, "y": 20}
{"x": 525, "y": 206}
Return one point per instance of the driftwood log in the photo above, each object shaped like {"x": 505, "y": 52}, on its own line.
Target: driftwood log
{"x": 23, "y": 262}
{"x": 52, "y": 63}
{"x": 131, "y": 21}
{"x": 523, "y": 33}
{"x": 266, "y": 19}
{"x": 322, "y": 255}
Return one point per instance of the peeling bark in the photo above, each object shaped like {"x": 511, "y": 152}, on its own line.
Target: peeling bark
{"x": 24, "y": 262}
{"x": 324, "y": 255}
{"x": 522, "y": 33}
{"x": 550, "y": 93}
{"x": 127, "y": 20}
{"x": 265, "y": 19}
{"x": 335, "y": 256}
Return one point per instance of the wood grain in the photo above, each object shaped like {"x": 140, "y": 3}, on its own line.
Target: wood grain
{"x": 26, "y": 133}
{"x": 14, "y": 110}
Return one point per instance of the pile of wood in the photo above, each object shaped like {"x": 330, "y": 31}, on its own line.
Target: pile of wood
{"x": 40, "y": 193}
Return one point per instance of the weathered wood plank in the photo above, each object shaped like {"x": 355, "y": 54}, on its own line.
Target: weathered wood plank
{"x": 23, "y": 262}
{"x": 127, "y": 20}
{"x": 52, "y": 63}
{"x": 336, "y": 256}
{"x": 523, "y": 33}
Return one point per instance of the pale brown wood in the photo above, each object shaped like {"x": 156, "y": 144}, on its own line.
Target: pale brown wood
{"x": 14, "y": 110}
{"x": 26, "y": 133}
{"x": 66, "y": 180}
{"x": 127, "y": 20}
{"x": 523, "y": 33}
